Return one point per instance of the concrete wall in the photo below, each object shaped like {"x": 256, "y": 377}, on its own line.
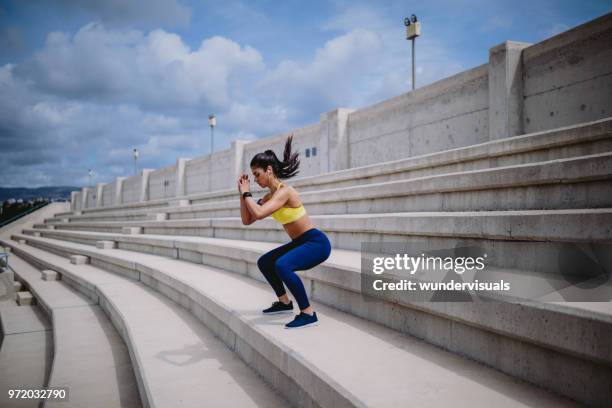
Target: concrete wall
{"x": 222, "y": 173}
{"x": 197, "y": 179}
{"x": 447, "y": 114}
{"x": 91, "y": 198}
{"x": 108, "y": 195}
{"x": 162, "y": 183}
{"x": 568, "y": 78}
{"x": 130, "y": 192}
{"x": 77, "y": 201}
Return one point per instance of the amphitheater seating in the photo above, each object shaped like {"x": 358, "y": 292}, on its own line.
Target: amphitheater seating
{"x": 515, "y": 198}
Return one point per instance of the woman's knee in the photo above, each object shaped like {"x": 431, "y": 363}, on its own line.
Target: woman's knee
{"x": 283, "y": 268}
{"x": 264, "y": 263}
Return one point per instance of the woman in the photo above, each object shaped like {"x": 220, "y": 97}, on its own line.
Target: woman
{"x": 308, "y": 247}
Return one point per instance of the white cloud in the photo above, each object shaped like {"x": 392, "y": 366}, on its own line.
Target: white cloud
{"x": 332, "y": 78}
{"x": 86, "y": 100}
{"x": 391, "y": 74}
{"x": 155, "y": 71}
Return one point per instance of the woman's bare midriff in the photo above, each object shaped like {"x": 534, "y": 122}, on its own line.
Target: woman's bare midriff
{"x": 299, "y": 226}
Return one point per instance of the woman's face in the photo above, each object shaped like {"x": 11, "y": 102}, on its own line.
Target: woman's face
{"x": 260, "y": 176}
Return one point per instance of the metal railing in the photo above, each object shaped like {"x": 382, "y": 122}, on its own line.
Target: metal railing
{"x": 4, "y": 263}
{"x": 23, "y": 214}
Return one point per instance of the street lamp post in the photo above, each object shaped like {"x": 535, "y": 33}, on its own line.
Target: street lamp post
{"x": 212, "y": 122}
{"x": 93, "y": 193}
{"x": 135, "y": 161}
{"x": 413, "y": 30}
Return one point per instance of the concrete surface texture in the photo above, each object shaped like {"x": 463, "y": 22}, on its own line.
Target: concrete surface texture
{"x": 322, "y": 367}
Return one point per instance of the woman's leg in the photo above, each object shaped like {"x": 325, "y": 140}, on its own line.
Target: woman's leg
{"x": 304, "y": 256}
{"x": 266, "y": 265}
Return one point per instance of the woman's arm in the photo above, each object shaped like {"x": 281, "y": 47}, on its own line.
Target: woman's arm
{"x": 245, "y": 215}
{"x": 247, "y": 219}
{"x": 260, "y": 212}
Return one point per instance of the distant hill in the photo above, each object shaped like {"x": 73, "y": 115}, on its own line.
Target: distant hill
{"x": 57, "y": 193}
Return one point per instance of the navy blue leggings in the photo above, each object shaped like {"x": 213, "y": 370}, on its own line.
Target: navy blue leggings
{"x": 305, "y": 252}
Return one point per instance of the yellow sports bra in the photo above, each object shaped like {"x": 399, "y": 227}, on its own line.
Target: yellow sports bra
{"x": 285, "y": 215}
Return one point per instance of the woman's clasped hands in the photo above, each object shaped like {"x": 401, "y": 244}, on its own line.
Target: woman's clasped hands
{"x": 243, "y": 184}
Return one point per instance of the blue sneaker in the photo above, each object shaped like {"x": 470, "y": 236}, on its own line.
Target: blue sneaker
{"x": 303, "y": 320}
{"x": 279, "y": 307}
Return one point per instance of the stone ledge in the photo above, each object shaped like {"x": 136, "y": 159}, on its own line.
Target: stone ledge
{"x": 106, "y": 244}
{"x": 25, "y": 298}
{"x": 50, "y": 275}
{"x": 158, "y": 216}
{"x": 79, "y": 259}
{"x": 178, "y": 203}
{"x": 131, "y": 230}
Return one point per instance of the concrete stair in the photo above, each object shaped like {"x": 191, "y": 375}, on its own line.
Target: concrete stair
{"x": 574, "y": 141}
{"x": 87, "y": 350}
{"x": 512, "y": 239}
{"x": 26, "y": 344}
{"x": 337, "y": 283}
{"x": 308, "y": 368}
{"x": 177, "y": 361}
{"x": 578, "y": 182}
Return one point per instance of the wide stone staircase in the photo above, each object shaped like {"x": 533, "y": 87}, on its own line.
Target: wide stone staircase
{"x": 178, "y": 277}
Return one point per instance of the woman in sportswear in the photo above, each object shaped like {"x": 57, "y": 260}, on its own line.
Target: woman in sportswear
{"x": 308, "y": 247}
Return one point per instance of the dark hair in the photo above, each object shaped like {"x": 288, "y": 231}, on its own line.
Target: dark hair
{"x": 282, "y": 169}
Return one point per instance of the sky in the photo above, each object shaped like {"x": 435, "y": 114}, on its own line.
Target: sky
{"x": 84, "y": 82}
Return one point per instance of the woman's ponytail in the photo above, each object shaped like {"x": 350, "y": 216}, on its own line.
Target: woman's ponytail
{"x": 282, "y": 169}
{"x": 291, "y": 161}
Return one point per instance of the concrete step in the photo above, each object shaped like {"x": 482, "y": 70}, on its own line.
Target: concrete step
{"x": 582, "y": 182}
{"x": 482, "y": 224}
{"x": 25, "y": 298}
{"x": 26, "y": 339}
{"x": 317, "y": 366}
{"x": 466, "y": 328}
{"x": 24, "y": 319}
{"x": 177, "y": 361}
{"x": 133, "y": 215}
{"x": 150, "y": 204}
{"x": 525, "y": 240}
{"x": 193, "y": 248}
{"x": 88, "y": 351}
{"x": 578, "y": 140}
{"x": 572, "y": 141}
{"x": 562, "y": 184}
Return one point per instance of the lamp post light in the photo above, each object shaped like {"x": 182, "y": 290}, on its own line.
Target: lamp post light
{"x": 135, "y": 161}
{"x": 212, "y": 122}
{"x": 93, "y": 193}
{"x": 413, "y": 30}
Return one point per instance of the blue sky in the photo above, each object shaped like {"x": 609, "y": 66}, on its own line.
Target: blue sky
{"x": 84, "y": 82}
